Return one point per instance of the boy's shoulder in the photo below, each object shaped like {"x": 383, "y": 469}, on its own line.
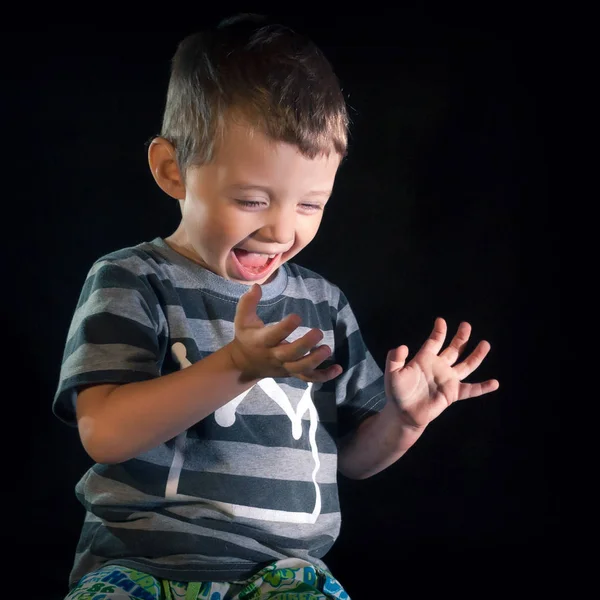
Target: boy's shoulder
{"x": 301, "y": 272}
{"x": 312, "y": 283}
{"x": 144, "y": 251}
{"x": 139, "y": 267}
{"x": 138, "y": 259}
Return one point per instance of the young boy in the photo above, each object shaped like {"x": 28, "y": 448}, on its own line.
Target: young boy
{"x": 218, "y": 411}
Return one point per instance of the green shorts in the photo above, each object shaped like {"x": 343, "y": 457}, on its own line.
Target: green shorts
{"x": 287, "y": 579}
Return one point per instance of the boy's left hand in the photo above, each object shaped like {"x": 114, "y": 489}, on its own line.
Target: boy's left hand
{"x": 429, "y": 383}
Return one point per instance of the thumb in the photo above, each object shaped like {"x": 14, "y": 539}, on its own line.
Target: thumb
{"x": 396, "y": 358}
{"x": 245, "y": 313}
{"x": 253, "y": 288}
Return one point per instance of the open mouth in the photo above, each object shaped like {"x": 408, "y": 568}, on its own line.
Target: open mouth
{"x": 251, "y": 265}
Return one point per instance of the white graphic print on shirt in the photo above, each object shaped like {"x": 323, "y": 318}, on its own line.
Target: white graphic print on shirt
{"x": 225, "y": 417}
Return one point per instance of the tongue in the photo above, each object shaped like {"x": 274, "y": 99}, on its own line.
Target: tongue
{"x": 251, "y": 259}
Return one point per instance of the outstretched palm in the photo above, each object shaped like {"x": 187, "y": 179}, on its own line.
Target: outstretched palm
{"x": 430, "y": 383}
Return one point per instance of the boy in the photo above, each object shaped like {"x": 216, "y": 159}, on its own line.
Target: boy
{"x": 217, "y": 386}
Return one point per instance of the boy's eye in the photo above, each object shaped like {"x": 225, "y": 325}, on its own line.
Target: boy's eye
{"x": 249, "y": 203}
{"x": 257, "y": 203}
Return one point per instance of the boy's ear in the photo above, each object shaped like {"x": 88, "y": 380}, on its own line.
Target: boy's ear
{"x": 163, "y": 165}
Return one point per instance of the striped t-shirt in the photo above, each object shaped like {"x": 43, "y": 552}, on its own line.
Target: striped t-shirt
{"x": 253, "y": 482}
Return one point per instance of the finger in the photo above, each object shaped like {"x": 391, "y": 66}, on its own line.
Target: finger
{"x": 321, "y": 375}
{"x": 275, "y": 333}
{"x": 436, "y": 340}
{"x": 396, "y": 358}
{"x": 458, "y": 343}
{"x": 472, "y": 390}
{"x": 467, "y": 366}
{"x": 300, "y": 347}
{"x": 245, "y": 312}
{"x": 309, "y": 362}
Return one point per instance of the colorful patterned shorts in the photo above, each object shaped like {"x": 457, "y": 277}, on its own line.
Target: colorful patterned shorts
{"x": 287, "y": 579}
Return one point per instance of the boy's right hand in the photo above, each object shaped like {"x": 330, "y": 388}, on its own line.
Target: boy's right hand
{"x": 260, "y": 350}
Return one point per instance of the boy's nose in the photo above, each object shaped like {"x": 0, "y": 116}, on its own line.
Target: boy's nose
{"x": 280, "y": 227}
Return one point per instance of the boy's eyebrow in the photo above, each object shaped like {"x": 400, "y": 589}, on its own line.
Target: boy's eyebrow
{"x": 269, "y": 191}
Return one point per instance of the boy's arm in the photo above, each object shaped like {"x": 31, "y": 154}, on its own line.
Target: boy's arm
{"x": 379, "y": 441}
{"x": 119, "y": 422}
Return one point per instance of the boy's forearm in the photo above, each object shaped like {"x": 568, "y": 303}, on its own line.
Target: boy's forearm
{"x": 139, "y": 416}
{"x": 378, "y": 442}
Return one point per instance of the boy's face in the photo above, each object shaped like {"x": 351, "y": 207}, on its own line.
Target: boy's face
{"x": 256, "y": 196}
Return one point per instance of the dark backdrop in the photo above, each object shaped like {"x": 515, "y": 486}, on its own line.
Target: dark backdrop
{"x": 440, "y": 210}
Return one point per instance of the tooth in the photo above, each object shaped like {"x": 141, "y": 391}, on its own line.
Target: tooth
{"x": 261, "y": 254}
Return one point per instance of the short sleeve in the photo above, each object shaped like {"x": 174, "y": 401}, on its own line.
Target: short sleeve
{"x": 113, "y": 336}
{"x": 360, "y": 390}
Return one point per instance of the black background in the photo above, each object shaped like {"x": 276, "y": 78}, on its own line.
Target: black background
{"x": 441, "y": 209}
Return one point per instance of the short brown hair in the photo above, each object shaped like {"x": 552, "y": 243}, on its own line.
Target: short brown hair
{"x": 276, "y": 79}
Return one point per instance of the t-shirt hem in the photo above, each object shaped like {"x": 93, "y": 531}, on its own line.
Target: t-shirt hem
{"x": 231, "y": 572}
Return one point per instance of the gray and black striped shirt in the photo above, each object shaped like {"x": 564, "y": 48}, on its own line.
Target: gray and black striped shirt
{"x": 250, "y": 484}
